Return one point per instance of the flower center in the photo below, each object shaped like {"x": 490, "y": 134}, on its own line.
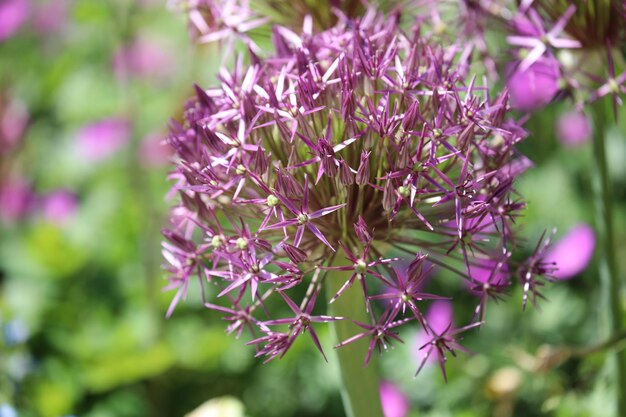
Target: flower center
{"x": 613, "y": 86}
{"x": 360, "y": 267}
{"x": 272, "y": 200}
{"x": 216, "y": 241}
{"x": 242, "y": 243}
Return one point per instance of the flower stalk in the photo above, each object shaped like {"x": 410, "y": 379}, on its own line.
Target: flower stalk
{"x": 610, "y": 282}
{"x": 360, "y": 383}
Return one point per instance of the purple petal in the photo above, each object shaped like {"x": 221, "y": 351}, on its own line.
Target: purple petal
{"x": 16, "y": 198}
{"x": 394, "y": 402}
{"x": 439, "y": 315}
{"x": 319, "y": 235}
{"x": 13, "y": 14}
{"x": 51, "y": 16}
{"x": 573, "y": 129}
{"x": 573, "y": 252}
{"x": 325, "y": 211}
{"x": 534, "y": 88}
{"x": 439, "y": 318}
{"x": 59, "y": 206}
{"x": 101, "y": 139}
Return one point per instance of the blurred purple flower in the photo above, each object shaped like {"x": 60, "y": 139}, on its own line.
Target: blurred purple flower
{"x": 144, "y": 58}
{"x": 59, "y": 206}
{"x": 439, "y": 317}
{"x": 486, "y": 271}
{"x": 98, "y": 140}
{"x": 50, "y": 16}
{"x": 573, "y": 129}
{"x": 441, "y": 337}
{"x": 13, "y": 122}
{"x": 394, "y": 402}
{"x": 13, "y": 14}
{"x": 16, "y": 198}
{"x": 154, "y": 152}
{"x": 573, "y": 252}
{"x": 534, "y": 87}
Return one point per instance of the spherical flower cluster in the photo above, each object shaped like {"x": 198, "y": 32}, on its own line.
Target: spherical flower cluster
{"x": 364, "y": 149}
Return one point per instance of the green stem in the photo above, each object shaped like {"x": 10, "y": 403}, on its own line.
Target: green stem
{"x": 610, "y": 281}
{"x": 359, "y": 384}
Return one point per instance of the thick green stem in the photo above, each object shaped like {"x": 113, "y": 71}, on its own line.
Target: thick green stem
{"x": 610, "y": 281}
{"x": 359, "y": 384}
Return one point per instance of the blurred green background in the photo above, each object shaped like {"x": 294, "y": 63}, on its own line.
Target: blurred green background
{"x": 82, "y": 323}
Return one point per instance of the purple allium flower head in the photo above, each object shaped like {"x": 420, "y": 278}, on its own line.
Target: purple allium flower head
{"x": 59, "y": 206}
{"x": 393, "y": 401}
{"x": 534, "y": 87}
{"x": 99, "y": 140}
{"x": 312, "y": 162}
{"x": 573, "y": 252}
{"x": 13, "y": 14}
{"x": 573, "y": 129}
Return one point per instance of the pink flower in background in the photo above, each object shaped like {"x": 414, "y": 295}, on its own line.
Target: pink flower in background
{"x": 438, "y": 317}
{"x": 143, "y": 57}
{"x": 51, "y": 16}
{"x": 99, "y": 140}
{"x": 484, "y": 271}
{"x": 535, "y": 87}
{"x": 59, "y": 206}
{"x": 573, "y": 129}
{"x": 16, "y": 198}
{"x": 394, "y": 402}
{"x": 573, "y": 252}
{"x": 154, "y": 152}
{"x": 13, "y": 123}
{"x": 13, "y": 14}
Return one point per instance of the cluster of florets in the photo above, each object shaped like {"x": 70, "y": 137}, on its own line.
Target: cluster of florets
{"x": 364, "y": 149}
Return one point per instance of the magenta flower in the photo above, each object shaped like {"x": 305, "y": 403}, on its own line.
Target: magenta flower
{"x": 99, "y": 140}
{"x": 16, "y": 200}
{"x": 13, "y": 14}
{"x": 143, "y": 58}
{"x": 51, "y": 16}
{"x": 573, "y": 252}
{"x": 443, "y": 340}
{"x": 59, "y": 206}
{"x": 394, "y": 401}
{"x": 534, "y": 87}
{"x": 439, "y": 316}
{"x": 13, "y": 123}
{"x": 573, "y": 129}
